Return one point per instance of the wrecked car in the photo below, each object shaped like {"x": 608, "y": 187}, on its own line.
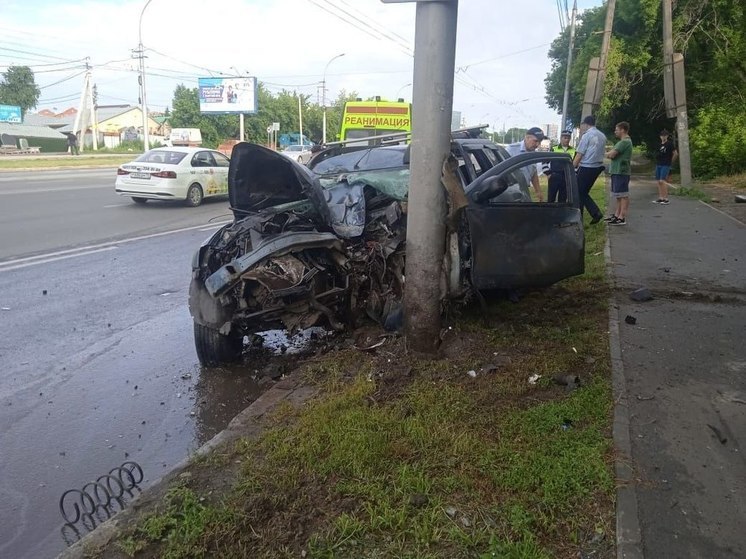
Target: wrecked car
{"x": 325, "y": 244}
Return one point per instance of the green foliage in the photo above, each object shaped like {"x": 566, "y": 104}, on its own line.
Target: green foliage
{"x": 708, "y": 33}
{"x": 716, "y": 142}
{"x": 18, "y": 87}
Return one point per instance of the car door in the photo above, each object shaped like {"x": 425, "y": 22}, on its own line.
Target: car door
{"x": 519, "y": 243}
{"x": 221, "y": 171}
{"x": 205, "y": 168}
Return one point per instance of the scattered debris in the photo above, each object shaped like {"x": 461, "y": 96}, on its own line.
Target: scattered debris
{"x": 450, "y": 511}
{"x": 722, "y": 438}
{"x": 641, "y": 295}
{"x": 566, "y": 424}
{"x": 370, "y": 347}
{"x": 466, "y": 522}
{"x": 533, "y": 378}
{"x": 186, "y": 376}
{"x": 5, "y": 308}
{"x": 629, "y": 319}
{"x": 645, "y": 398}
{"x": 687, "y": 293}
{"x": 472, "y": 373}
{"x": 740, "y": 198}
{"x": 418, "y": 500}
{"x": 570, "y": 382}
{"x": 44, "y": 292}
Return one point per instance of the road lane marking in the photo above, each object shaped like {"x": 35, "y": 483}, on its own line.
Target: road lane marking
{"x": 116, "y": 205}
{"x": 41, "y": 258}
{"x": 4, "y": 268}
{"x": 46, "y": 190}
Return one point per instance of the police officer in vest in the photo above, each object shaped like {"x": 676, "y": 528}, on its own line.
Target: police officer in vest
{"x": 557, "y": 191}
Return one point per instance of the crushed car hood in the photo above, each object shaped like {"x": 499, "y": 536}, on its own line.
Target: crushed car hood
{"x": 260, "y": 178}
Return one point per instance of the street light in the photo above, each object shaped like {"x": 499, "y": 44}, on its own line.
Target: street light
{"x": 143, "y": 100}
{"x": 406, "y": 85}
{"x": 323, "y": 99}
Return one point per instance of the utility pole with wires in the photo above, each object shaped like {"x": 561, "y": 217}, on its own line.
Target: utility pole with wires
{"x": 594, "y": 87}
{"x": 140, "y": 52}
{"x": 566, "y": 96}
{"x": 86, "y": 115}
{"x": 674, "y": 91}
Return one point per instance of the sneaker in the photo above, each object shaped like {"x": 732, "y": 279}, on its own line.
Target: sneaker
{"x": 661, "y": 201}
{"x": 665, "y": 201}
{"x": 618, "y": 221}
{"x": 610, "y": 218}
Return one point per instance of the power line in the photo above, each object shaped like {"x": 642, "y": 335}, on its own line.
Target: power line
{"x": 68, "y": 78}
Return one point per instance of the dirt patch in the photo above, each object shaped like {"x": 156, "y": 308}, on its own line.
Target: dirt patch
{"x": 723, "y": 198}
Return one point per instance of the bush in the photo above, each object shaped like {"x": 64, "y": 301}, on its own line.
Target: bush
{"x": 715, "y": 141}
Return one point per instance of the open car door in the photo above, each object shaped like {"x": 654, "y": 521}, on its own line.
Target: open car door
{"x": 519, "y": 243}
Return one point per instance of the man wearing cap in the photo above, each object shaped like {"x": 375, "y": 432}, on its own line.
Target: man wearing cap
{"x": 557, "y": 191}
{"x": 533, "y": 139}
{"x": 663, "y": 160}
{"x": 589, "y": 161}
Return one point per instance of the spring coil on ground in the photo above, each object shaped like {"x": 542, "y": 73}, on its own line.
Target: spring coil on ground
{"x": 98, "y": 500}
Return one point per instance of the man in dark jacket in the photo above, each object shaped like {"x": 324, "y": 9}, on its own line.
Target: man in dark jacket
{"x": 72, "y": 143}
{"x": 664, "y": 158}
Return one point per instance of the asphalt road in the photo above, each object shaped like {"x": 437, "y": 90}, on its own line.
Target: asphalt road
{"x": 685, "y": 369}
{"x": 98, "y": 362}
{"x": 50, "y": 210}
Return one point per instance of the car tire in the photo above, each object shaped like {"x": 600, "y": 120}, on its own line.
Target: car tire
{"x": 214, "y": 348}
{"x": 194, "y": 196}
{"x": 138, "y": 200}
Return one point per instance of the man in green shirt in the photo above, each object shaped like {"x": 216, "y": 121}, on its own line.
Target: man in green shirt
{"x": 620, "y": 170}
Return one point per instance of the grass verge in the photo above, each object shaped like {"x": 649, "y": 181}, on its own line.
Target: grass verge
{"x": 416, "y": 458}
{"x": 53, "y": 162}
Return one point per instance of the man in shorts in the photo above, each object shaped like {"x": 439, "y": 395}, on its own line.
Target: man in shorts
{"x": 620, "y": 171}
{"x": 665, "y": 157}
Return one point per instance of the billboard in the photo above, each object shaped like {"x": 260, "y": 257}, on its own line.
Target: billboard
{"x": 227, "y": 95}
{"x": 10, "y": 113}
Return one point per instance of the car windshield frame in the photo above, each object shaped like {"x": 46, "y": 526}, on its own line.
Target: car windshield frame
{"x": 166, "y": 157}
{"x": 375, "y": 158}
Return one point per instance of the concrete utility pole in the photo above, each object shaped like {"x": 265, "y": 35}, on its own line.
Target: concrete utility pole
{"x": 143, "y": 97}
{"x": 566, "y": 96}
{"x": 432, "y": 104}
{"x": 597, "y": 68}
{"x": 674, "y": 91}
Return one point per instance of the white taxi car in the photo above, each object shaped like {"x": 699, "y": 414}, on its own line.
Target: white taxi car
{"x": 176, "y": 173}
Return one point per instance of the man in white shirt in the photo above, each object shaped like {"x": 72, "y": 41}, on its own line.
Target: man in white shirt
{"x": 589, "y": 161}
{"x": 533, "y": 139}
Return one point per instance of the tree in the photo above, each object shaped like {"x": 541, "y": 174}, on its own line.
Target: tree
{"x": 710, "y": 35}
{"x": 19, "y": 88}
{"x": 186, "y": 114}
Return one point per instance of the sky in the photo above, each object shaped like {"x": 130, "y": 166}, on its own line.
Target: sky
{"x": 501, "y": 50}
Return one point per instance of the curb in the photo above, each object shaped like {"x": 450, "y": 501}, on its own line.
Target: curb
{"x": 245, "y": 423}
{"x": 628, "y": 533}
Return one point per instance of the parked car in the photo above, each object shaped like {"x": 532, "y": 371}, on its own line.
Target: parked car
{"x": 175, "y": 173}
{"x": 326, "y": 244}
{"x": 301, "y": 154}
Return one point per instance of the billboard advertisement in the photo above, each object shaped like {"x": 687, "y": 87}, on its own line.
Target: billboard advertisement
{"x": 10, "y": 113}
{"x": 227, "y": 95}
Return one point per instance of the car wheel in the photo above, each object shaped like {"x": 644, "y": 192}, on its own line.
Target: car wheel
{"x": 138, "y": 200}
{"x": 194, "y": 196}
{"x": 214, "y": 348}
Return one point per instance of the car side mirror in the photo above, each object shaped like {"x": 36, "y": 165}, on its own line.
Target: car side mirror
{"x": 494, "y": 186}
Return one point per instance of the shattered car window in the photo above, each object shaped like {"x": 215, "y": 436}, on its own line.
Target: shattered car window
{"x": 363, "y": 160}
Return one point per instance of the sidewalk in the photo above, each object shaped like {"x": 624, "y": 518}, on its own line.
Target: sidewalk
{"x": 680, "y": 379}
